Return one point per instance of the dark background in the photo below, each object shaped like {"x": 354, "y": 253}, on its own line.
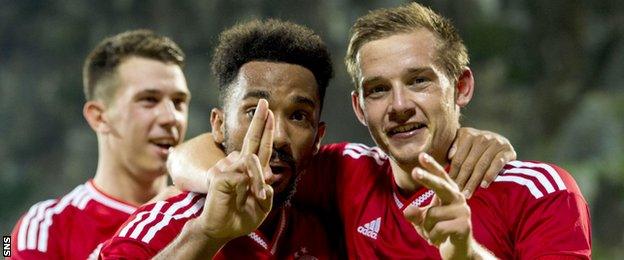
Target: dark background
{"x": 549, "y": 76}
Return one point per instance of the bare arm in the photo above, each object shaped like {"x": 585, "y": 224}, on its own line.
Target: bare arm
{"x": 189, "y": 162}
{"x": 192, "y": 243}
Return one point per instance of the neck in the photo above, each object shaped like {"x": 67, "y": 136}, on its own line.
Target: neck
{"x": 122, "y": 184}
{"x": 403, "y": 175}
{"x": 403, "y": 178}
{"x": 270, "y": 224}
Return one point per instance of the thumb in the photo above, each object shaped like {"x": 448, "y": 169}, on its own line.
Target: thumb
{"x": 452, "y": 151}
{"x": 416, "y": 215}
{"x": 267, "y": 202}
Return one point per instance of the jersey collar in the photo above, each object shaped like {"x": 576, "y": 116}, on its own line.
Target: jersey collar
{"x": 261, "y": 239}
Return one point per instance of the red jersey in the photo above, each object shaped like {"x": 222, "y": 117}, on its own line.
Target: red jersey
{"x": 299, "y": 234}
{"x": 71, "y": 227}
{"x": 531, "y": 210}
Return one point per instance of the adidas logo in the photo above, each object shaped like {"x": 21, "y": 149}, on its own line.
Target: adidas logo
{"x": 370, "y": 229}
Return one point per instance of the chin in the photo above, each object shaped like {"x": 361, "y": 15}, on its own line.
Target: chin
{"x": 156, "y": 169}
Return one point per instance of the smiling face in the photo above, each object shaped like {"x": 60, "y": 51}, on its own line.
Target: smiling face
{"x": 292, "y": 93}
{"x": 405, "y": 98}
{"x": 147, "y": 115}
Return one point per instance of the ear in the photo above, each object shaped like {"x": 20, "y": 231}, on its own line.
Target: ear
{"x": 93, "y": 112}
{"x": 357, "y": 107}
{"x": 320, "y": 133}
{"x": 464, "y": 87}
{"x": 218, "y": 125}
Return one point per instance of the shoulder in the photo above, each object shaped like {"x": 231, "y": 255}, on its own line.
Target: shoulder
{"x": 544, "y": 206}
{"x": 354, "y": 152}
{"x": 540, "y": 179}
{"x": 46, "y": 219}
{"x": 171, "y": 214}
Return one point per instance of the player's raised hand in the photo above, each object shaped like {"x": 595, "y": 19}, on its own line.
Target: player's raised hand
{"x": 238, "y": 199}
{"x": 477, "y": 156}
{"x": 445, "y": 222}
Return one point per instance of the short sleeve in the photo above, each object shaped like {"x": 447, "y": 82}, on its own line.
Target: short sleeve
{"x": 27, "y": 238}
{"x": 556, "y": 226}
{"x": 152, "y": 228}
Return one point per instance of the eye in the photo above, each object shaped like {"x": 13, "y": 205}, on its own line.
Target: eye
{"x": 149, "y": 100}
{"x": 250, "y": 112}
{"x": 179, "y": 103}
{"x": 299, "y": 116}
{"x": 419, "y": 80}
{"x": 376, "y": 91}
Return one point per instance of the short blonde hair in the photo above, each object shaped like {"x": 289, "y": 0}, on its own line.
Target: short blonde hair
{"x": 378, "y": 24}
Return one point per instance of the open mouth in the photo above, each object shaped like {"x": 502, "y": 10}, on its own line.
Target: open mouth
{"x": 406, "y": 128}
{"x": 164, "y": 143}
{"x": 279, "y": 173}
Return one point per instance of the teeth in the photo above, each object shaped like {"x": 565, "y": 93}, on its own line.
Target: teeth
{"x": 164, "y": 142}
{"x": 405, "y": 128}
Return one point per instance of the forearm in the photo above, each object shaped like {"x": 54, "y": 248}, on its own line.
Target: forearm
{"x": 479, "y": 252}
{"x": 470, "y": 249}
{"x": 191, "y": 244}
{"x": 189, "y": 162}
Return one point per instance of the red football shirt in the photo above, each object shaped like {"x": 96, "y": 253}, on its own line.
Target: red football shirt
{"x": 532, "y": 209}
{"x": 299, "y": 234}
{"x": 71, "y": 227}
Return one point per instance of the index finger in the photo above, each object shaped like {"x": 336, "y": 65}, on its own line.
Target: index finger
{"x": 256, "y": 128}
{"x": 266, "y": 143}
{"x": 446, "y": 192}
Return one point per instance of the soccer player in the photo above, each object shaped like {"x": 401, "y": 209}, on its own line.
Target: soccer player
{"x": 137, "y": 104}
{"x": 411, "y": 74}
{"x": 288, "y": 65}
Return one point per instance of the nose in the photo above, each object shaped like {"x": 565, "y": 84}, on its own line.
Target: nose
{"x": 281, "y": 137}
{"x": 168, "y": 115}
{"x": 401, "y": 108}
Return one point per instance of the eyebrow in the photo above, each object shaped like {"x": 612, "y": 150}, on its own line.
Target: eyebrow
{"x": 265, "y": 94}
{"x": 305, "y": 101}
{"x": 369, "y": 80}
{"x": 158, "y": 92}
{"x": 257, "y": 94}
{"x": 407, "y": 71}
{"x": 418, "y": 70}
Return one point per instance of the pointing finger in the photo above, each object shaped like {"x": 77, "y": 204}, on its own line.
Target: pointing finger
{"x": 444, "y": 190}
{"x": 266, "y": 143}
{"x": 256, "y": 129}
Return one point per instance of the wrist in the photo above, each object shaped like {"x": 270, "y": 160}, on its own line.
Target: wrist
{"x": 476, "y": 251}
{"x": 204, "y": 234}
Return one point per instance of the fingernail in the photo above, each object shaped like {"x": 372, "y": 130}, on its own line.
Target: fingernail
{"x": 427, "y": 158}
{"x": 466, "y": 193}
{"x": 452, "y": 152}
{"x": 419, "y": 173}
{"x": 484, "y": 184}
{"x": 262, "y": 194}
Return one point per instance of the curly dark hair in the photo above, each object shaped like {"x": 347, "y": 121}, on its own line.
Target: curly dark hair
{"x": 270, "y": 40}
{"x": 102, "y": 62}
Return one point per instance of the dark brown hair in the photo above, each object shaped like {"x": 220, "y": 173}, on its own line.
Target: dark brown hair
{"x": 101, "y": 64}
